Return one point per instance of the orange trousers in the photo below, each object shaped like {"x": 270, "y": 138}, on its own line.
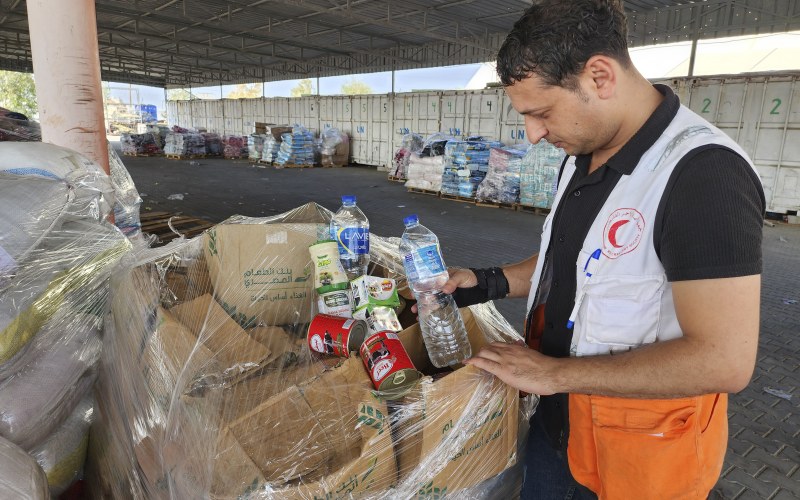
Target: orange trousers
{"x": 624, "y": 448}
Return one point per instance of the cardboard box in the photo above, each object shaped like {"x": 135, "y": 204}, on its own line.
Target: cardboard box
{"x": 328, "y": 437}
{"x": 235, "y": 351}
{"x": 468, "y": 411}
{"x": 261, "y": 273}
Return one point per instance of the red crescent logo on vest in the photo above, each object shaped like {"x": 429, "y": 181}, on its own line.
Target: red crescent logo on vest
{"x": 623, "y": 232}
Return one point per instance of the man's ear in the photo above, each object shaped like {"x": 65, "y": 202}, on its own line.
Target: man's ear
{"x": 600, "y": 76}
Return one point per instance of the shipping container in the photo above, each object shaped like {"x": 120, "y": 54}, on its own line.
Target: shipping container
{"x": 327, "y": 112}
{"x": 512, "y": 125}
{"x": 483, "y": 113}
{"x": 234, "y": 116}
{"x": 379, "y": 139}
{"x": 761, "y": 112}
{"x": 454, "y": 112}
{"x": 252, "y": 112}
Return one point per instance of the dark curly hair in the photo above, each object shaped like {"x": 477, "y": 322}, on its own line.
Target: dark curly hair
{"x": 554, "y": 39}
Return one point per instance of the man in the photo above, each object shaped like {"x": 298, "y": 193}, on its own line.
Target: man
{"x": 644, "y": 297}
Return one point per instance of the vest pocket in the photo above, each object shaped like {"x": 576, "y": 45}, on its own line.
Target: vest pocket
{"x": 618, "y": 313}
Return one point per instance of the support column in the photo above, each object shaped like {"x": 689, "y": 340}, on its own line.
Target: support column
{"x": 66, "y": 68}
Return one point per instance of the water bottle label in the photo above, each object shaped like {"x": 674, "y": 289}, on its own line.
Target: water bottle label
{"x": 353, "y": 240}
{"x": 431, "y": 260}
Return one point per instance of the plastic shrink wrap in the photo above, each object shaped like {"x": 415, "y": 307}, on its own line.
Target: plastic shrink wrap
{"x": 184, "y": 144}
{"x": 465, "y": 166}
{"x": 213, "y": 143}
{"x": 21, "y": 478}
{"x": 539, "y": 174}
{"x": 208, "y": 389}
{"x": 425, "y": 169}
{"x": 296, "y": 147}
{"x": 148, "y": 144}
{"x": 501, "y": 184}
{"x": 16, "y": 127}
{"x": 335, "y": 148}
{"x": 57, "y": 252}
{"x": 255, "y": 146}
{"x": 411, "y": 143}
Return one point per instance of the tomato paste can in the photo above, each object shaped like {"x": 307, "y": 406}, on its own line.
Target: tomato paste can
{"x": 334, "y": 335}
{"x": 388, "y": 364}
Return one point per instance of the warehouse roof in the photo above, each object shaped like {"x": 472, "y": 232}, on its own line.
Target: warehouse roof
{"x": 178, "y": 43}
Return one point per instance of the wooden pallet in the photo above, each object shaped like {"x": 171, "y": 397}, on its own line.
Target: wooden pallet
{"x": 396, "y": 179}
{"x": 293, "y": 165}
{"x": 264, "y": 162}
{"x": 185, "y": 157}
{"x": 455, "y": 197}
{"x": 143, "y": 155}
{"x": 532, "y": 210}
{"x": 496, "y": 204}
{"x": 236, "y": 157}
{"x": 158, "y": 224}
{"x": 423, "y": 191}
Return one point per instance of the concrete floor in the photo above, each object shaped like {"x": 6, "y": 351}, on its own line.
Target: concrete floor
{"x": 764, "y": 447}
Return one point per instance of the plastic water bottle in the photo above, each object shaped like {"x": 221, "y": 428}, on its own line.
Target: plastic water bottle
{"x": 350, "y": 229}
{"x": 442, "y": 327}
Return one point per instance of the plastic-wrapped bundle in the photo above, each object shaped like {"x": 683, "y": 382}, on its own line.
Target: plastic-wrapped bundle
{"x": 58, "y": 253}
{"x": 425, "y": 172}
{"x": 235, "y": 147}
{"x": 16, "y": 127}
{"x": 140, "y": 144}
{"x": 539, "y": 174}
{"x": 213, "y": 143}
{"x": 466, "y": 164}
{"x": 297, "y": 147}
{"x": 501, "y": 184}
{"x": 181, "y": 130}
{"x": 21, "y": 478}
{"x": 334, "y": 148}
{"x": 255, "y": 146}
{"x": 188, "y": 144}
{"x": 126, "y": 198}
{"x": 434, "y": 144}
{"x": 411, "y": 143}
{"x": 222, "y": 397}
{"x": 270, "y": 149}
{"x": 63, "y": 454}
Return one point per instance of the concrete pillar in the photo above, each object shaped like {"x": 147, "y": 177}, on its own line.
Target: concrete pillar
{"x": 66, "y": 68}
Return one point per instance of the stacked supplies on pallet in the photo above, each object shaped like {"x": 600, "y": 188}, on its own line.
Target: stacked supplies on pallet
{"x": 335, "y": 148}
{"x": 15, "y": 127}
{"x": 424, "y": 170}
{"x": 465, "y": 166}
{"x": 255, "y": 146}
{"x": 411, "y": 143}
{"x": 186, "y": 144}
{"x": 270, "y": 148}
{"x": 213, "y": 143}
{"x": 539, "y": 175}
{"x": 141, "y": 144}
{"x": 235, "y": 147}
{"x": 59, "y": 253}
{"x": 501, "y": 184}
{"x": 297, "y": 147}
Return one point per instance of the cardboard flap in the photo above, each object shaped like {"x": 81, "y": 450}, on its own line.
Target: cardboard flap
{"x": 282, "y": 437}
{"x": 236, "y": 351}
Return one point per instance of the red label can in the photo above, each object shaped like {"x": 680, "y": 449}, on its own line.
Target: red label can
{"x": 388, "y": 364}
{"x": 334, "y": 335}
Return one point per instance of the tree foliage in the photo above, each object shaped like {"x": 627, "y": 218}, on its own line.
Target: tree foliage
{"x": 302, "y": 87}
{"x": 355, "y": 87}
{"x": 178, "y": 95}
{"x": 18, "y": 92}
{"x": 245, "y": 91}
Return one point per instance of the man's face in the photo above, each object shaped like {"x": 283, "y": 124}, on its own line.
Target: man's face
{"x": 568, "y": 119}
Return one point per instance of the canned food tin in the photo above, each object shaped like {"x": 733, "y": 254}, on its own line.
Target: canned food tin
{"x": 334, "y": 335}
{"x": 388, "y": 364}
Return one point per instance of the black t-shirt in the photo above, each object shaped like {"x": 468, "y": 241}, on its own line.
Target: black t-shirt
{"x": 708, "y": 225}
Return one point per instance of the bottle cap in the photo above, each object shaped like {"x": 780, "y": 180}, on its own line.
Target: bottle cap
{"x": 411, "y": 220}
{"x": 348, "y": 198}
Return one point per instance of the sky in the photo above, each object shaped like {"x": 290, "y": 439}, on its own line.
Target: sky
{"x": 771, "y": 52}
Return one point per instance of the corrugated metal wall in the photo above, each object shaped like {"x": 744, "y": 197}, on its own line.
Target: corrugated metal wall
{"x": 760, "y": 112}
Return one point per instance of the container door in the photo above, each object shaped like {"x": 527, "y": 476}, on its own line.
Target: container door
{"x": 512, "y": 125}
{"x": 483, "y": 114}
{"x": 454, "y": 113}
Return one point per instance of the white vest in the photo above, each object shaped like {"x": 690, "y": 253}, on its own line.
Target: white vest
{"x": 628, "y": 301}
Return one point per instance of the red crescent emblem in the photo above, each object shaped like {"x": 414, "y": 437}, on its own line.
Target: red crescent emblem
{"x": 612, "y": 232}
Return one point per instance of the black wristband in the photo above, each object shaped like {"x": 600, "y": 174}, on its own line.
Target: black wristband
{"x": 494, "y": 281}
{"x": 492, "y": 285}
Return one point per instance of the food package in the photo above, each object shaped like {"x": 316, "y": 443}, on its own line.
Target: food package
{"x": 207, "y": 391}
{"x": 411, "y": 143}
{"x": 465, "y": 166}
{"x": 297, "y": 147}
{"x": 213, "y": 143}
{"x": 235, "y": 146}
{"x": 185, "y": 144}
{"x": 255, "y": 146}
{"x": 539, "y": 174}
{"x": 141, "y": 144}
{"x": 57, "y": 253}
{"x": 501, "y": 184}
